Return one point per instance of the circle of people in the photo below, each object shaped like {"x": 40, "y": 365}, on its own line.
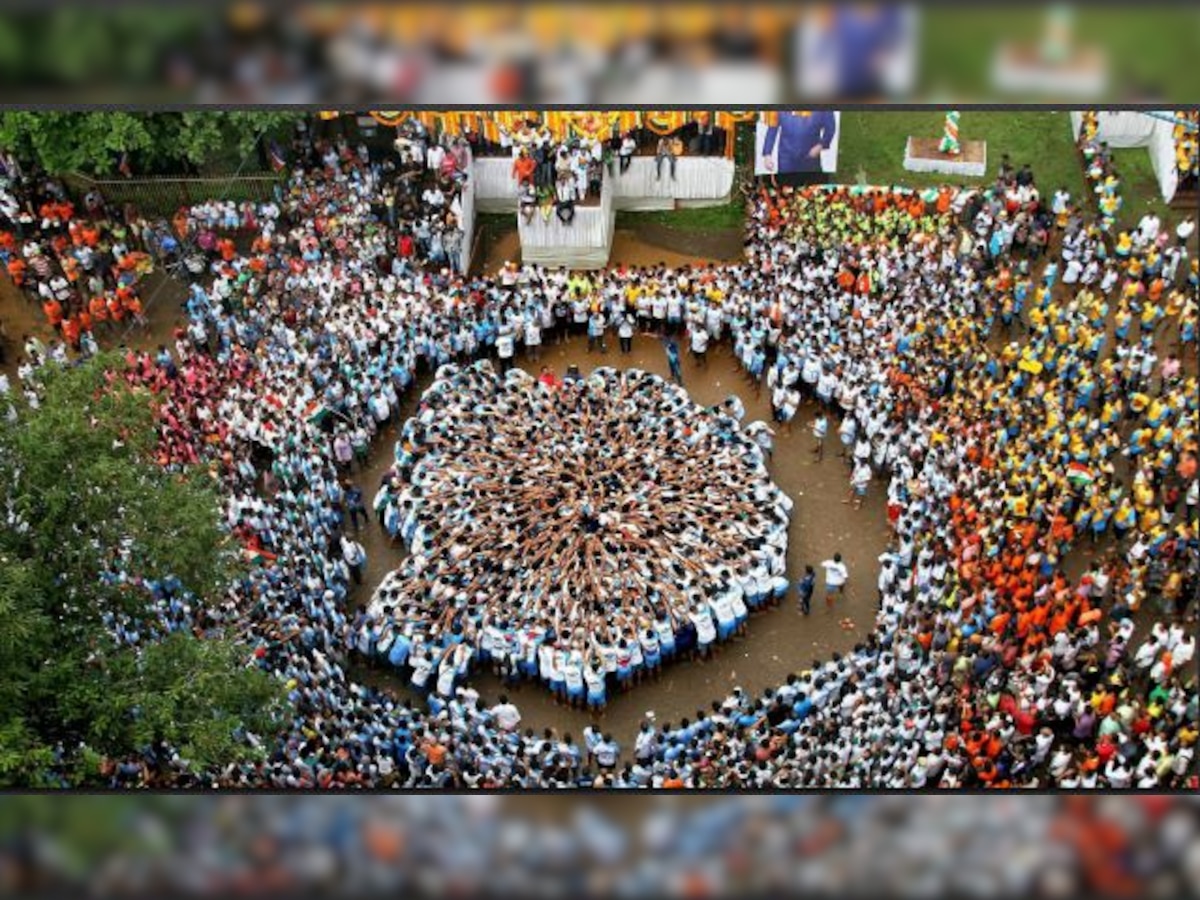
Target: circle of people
{"x": 581, "y": 532}
{"x": 988, "y": 665}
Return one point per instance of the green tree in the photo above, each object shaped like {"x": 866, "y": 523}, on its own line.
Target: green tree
{"x": 92, "y": 142}
{"x": 83, "y": 496}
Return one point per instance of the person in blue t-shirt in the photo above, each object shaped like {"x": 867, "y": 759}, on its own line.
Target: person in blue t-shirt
{"x": 804, "y": 589}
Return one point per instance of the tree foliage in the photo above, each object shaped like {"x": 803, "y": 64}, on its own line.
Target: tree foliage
{"x": 92, "y": 142}
{"x": 83, "y": 498}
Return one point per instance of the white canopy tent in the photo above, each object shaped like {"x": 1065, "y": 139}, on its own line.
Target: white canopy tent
{"x": 1124, "y": 129}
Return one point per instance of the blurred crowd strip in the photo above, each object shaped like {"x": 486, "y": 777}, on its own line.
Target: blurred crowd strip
{"x": 507, "y": 52}
{"x": 781, "y": 845}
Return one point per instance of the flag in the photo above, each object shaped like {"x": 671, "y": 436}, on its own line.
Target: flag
{"x": 123, "y": 165}
{"x": 316, "y": 412}
{"x": 275, "y": 153}
{"x": 1079, "y": 474}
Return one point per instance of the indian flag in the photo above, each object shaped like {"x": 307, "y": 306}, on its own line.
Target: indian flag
{"x": 1080, "y": 474}
{"x": 316, "y": 412}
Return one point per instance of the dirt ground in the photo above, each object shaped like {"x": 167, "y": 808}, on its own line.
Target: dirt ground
{"x": 778, "y": 641}
{"x": 162, "y": 299}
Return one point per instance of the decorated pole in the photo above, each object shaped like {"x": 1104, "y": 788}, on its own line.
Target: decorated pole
{"x": 949, "y": 143}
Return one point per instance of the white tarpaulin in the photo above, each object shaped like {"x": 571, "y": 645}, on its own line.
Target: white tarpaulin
{"x": 1120, "y": 129}
{"x": 1125, "y": 130}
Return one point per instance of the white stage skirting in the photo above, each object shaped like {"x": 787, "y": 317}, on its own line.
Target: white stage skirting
{"x": 584, "y": 244}
{"x": 495, "y": 187}
{"x": 943, "y": 166}
{"x": 467, "y": 224}
{"x": 699, "y": 181}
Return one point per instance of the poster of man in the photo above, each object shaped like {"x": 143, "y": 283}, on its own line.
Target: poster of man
{"x": 796, "y": 141}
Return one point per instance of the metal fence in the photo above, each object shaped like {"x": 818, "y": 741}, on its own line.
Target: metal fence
{"x": 163, "y": 196}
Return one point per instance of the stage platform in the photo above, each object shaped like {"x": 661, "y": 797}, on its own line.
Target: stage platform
{"x": 922, "y": 155}
{"x": 584, "y": 244}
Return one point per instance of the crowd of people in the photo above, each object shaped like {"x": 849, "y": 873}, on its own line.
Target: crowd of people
{"x": 1187, "y": 148}
{"x": 1100, "y": 171}
{"x": 582, "y": 532}
{"x": 555, "y": 175}
{"x": 973, "y": 365}
{"x": 728, "y": 846}
{"x": 81, "y": 263}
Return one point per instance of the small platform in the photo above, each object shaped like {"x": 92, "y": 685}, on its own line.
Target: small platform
{"x": 922, "y": 155}
{"x": 1022, "y": 69}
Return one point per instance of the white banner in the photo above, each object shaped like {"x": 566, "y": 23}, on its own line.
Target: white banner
{"x": 800, "y": 141}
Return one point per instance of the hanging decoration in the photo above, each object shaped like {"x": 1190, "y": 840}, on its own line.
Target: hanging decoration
{"x": 591, "y": 124}
{"x": 664, "y": 122}
{"x": 389, "y": 118}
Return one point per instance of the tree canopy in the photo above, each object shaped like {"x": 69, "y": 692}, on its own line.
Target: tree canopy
{"x": 92, "y": 142}
{"x": 83, "y": 500}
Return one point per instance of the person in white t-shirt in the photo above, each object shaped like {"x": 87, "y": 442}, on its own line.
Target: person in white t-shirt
{"x": 700, "y": 345}
{"x": 706, "y": 631}
{"x": 505, "y": 347}
{"x": 533, "y": 339}
{"x": 836, "y": 576}
{"x": 507, "y": 716}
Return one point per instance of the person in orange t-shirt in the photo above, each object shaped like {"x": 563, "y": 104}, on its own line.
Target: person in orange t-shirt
{"x": 16, "y": 271}
{"x": 523, "y": 168}
{"x": 71, "y": 332}
{"x": 54, "y": 313}
{"x": 98, "y": 307}
{"x": 133, "y": 306}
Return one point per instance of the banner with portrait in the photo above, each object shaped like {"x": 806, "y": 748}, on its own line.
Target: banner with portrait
{"x": 797, "y": 141}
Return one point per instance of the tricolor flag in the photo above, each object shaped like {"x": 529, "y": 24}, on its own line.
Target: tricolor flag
{"x": 316, "y": 412}
{"x": 1080, "y": 474}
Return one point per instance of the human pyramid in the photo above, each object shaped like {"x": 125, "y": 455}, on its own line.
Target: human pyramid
{"x": 582, "y": 532}
{"x": 988, "y": 665}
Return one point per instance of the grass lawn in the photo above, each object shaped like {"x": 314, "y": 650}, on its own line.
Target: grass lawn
{"x": 1140, "y": 188}
{"x": 872, "y": 146}
{"x": 705, "y": 218}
